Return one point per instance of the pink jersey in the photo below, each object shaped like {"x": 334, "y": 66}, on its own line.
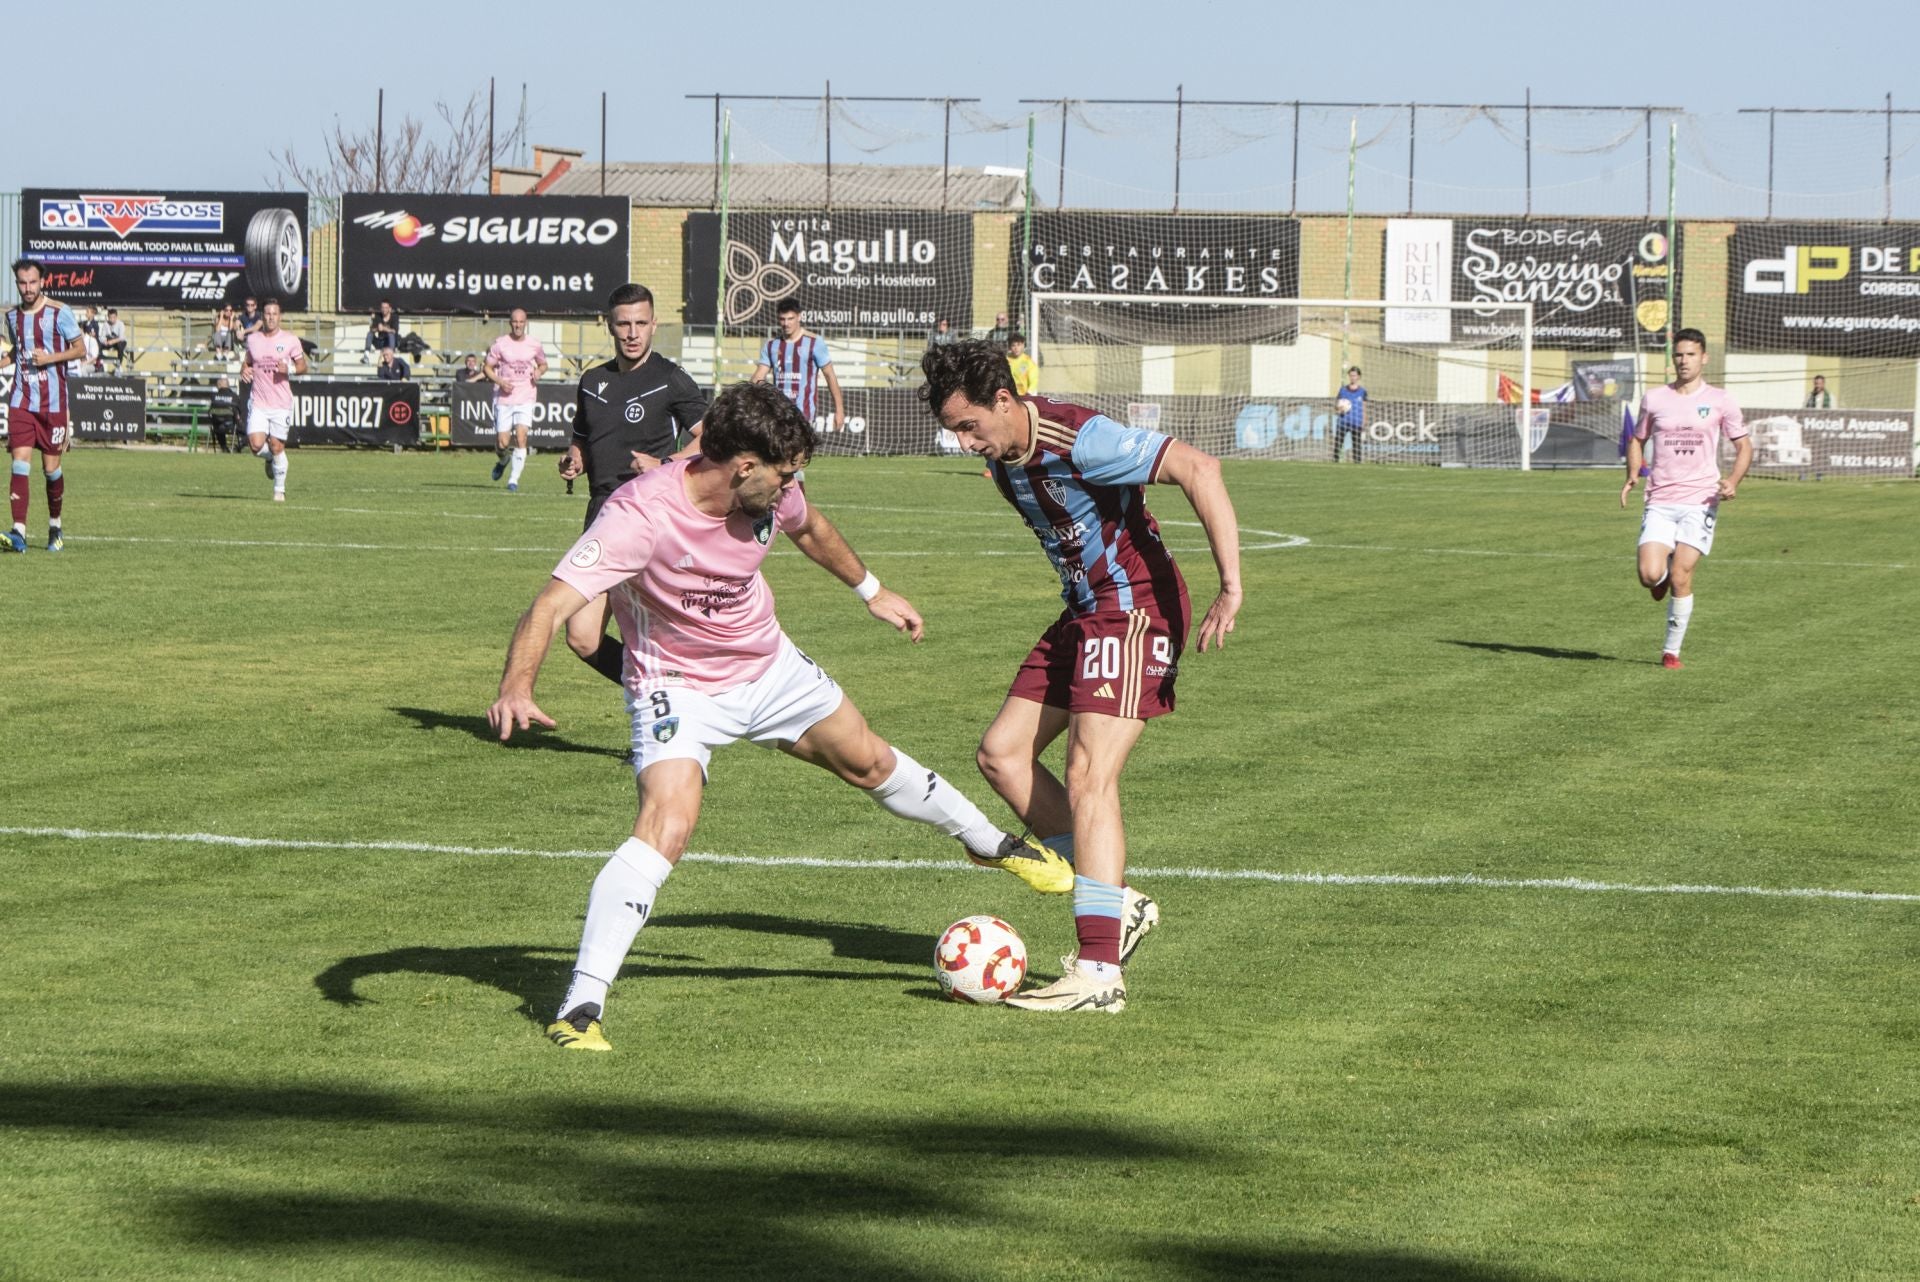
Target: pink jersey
{"x": 685, "y": 586}
{"x": 1686, "y": 432}
{"x": 514, "y": 359}
{"x": 273, "y": 356}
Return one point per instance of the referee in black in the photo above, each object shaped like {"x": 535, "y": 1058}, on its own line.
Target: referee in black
{"x": 628, "y": 417}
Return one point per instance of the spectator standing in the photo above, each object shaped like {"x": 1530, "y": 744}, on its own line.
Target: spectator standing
{"x": 1026, "y": 375}
{"x": 1350, "y": 418}
{"x": 113, "y": 339}
{"x": 1001, "y": 330}
{"x": 1819, "y": 398}
{"x": 942, "y": 334}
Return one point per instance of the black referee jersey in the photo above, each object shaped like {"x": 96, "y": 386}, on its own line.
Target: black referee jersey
{"x": 644, "y": 410}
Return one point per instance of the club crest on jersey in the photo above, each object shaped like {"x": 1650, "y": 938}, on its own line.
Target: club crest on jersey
{"x": 1056, "y": 490}
{"x": 635, "y": 410}
{"x": 665, "y": 728}
{"x": 763, "y": 529}
{"x": 1704, "y": 410}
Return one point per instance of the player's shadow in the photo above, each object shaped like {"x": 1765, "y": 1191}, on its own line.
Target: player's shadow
{"x": 534, "y": 737}
{"x": 538, "y": 976}
{"x": 1539, "y": 651}
{"x": 1222, "y": 1262}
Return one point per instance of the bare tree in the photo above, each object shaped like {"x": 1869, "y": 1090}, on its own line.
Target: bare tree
{"x": 451, "y": 157}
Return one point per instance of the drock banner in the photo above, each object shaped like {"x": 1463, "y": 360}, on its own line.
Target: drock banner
{"x": 553, "y": 255}
{"x": 172, "y": 249}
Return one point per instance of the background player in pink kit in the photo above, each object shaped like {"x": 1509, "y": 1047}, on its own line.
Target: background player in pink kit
{"x": 271, "y": 358}
{"x": 1108, "y": 663}
{"x": 514, "y": 364}
{"x": 678, "y": 551}
{"x": 45, "y": 337}
{"x": 1686, "y": 420}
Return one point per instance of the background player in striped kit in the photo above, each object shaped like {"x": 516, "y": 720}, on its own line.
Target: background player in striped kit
{"x": 1108, "y": 664}
{"x": 45, "y": 337}
{"x": 795, "y": 361}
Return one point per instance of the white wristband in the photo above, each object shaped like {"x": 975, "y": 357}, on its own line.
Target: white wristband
{"x": 867, "y": 588}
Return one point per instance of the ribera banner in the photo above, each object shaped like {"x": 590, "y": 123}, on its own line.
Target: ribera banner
{"x": 1837, "y": 289}
{"x": 858, "y": 269}
{"x": 553, "y": 255}
{"x": 1595, "y": 285}
{"x": 106, "y": 246}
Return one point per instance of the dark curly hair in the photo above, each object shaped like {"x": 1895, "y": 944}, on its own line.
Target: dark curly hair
{"x": 756, "y": 418}
{"x": 975, "y": 368}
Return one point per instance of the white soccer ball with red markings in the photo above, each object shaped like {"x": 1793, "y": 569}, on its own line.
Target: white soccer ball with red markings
{"x": 979, "y": 959}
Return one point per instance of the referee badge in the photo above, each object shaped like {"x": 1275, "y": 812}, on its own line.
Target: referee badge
{"x": 635, "y": 410}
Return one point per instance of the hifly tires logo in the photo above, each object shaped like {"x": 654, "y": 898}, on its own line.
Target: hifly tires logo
{"x": 125, "y": 215}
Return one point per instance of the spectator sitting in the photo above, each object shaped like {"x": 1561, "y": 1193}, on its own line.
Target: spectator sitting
{"x": 220, "y": 414}
{"x": 1001, "y": 331}
{"x": 251, "y": 317}
{"x": 942, "y": 334}
{"x": 226, "y": 323}
{"x": 113, "y": 339}
{"x": 471, "y": 371}
{"x": 89, "y": 362}
{"x": 88, "y": 325}
{"x": 392, "y": 368}
{"x": 1819, "y": 398}
{"x": 383, "y": 327}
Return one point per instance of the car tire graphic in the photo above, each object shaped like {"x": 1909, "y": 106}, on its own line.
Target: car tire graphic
{"x": 276, "y": 254}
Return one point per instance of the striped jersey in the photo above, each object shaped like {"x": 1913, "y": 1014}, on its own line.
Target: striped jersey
{"x": 796, "y": 366}
{"x": 51, "y": 328}
{"x": 1079, "y": 491}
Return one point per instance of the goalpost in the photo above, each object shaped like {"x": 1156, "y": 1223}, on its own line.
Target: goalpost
{"x": 1447, "y": 383}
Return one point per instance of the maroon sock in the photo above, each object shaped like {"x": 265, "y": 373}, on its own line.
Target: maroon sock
{"x": 19, "y": 492}
{"x": 1099, "y": 939}
{"x": 56, "y": 491}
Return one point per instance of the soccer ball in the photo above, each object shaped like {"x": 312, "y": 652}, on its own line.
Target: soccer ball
{"x": 980, "y": 960}
{"x": 1343, "y": 405}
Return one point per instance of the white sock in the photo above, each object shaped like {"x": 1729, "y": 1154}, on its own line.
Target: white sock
{"x": 519, "y": 462}
{"x": 914, "y": 792}
{"x": 1097, "y": 970}
{"x": 1679, "y": 614}
{"x": 621, "y": 901}
{"x": 263, "y": 451}
{"x": 280, "y": 471}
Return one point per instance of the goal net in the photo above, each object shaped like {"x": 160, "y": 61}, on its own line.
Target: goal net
{"x": 1448, "y": 385}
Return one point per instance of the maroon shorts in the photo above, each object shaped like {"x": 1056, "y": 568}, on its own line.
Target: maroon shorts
{"x": 1122, "y": 663}
{"x": 44, "y": 430}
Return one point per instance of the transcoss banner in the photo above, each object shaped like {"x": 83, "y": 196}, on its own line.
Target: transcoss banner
{"x": 1595, "y": 285}
{"x": 1836, "y": 289}
{"x": 1165, "y": 259}
{"x": 553, "y": 255}
{"x": 472, "y": 425}
{"x": 171, "y": 249}
{"x": 1844, "y": 442}
{"x": 102, "y": 408}
{"x": 339, "y": 412}
{"x": 886, "y": 270}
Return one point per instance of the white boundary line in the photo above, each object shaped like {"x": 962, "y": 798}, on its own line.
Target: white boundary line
{"x": 1579, "y": 884}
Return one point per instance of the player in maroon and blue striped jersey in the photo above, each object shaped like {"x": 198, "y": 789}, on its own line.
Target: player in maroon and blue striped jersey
{"x": 1107, "y": 665}
{"x": 44, "y": 337}
{"x": 795, "y": 362}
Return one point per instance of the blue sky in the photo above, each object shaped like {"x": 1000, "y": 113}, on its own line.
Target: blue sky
{"x": 308, "y": 64}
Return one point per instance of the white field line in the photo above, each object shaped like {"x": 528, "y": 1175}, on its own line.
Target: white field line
{"x": 1466, "y": 880}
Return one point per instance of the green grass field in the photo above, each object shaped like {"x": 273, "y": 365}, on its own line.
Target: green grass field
{"x": 322, "y": 1059}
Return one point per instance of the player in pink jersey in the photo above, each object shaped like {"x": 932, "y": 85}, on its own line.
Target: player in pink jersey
{"x": 514, "y": 364}
{"x": 45, "y": 340}
{"x": 679, "y": 549}
{"x": 1686, "y": 421}
{"x": 271, "y": 359}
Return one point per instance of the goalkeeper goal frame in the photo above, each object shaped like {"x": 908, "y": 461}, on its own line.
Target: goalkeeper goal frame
{"x": 1374, "y": 306}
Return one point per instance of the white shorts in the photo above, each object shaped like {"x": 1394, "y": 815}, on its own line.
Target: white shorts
{"x": 774, "y": 709}
{"x": 265, "y": 422}
{"x": 506, "y": 416}
{"x": 1671, "y": 524}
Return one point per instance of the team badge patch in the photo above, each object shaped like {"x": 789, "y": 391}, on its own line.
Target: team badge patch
{"x": 665, "y": 728}
{"x": 1705, "y": 410}
{"x": 763, "y": 528}
{"x": 588, "y": 556}
{"x": 1055, "y": 491}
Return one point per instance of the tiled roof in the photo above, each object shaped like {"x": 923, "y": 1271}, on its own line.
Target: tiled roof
{"x": 690, "y": 185}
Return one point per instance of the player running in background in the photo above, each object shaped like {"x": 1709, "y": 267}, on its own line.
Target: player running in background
{"x": 45, "y": 337}
{"x": 679, "y": 550}
{"x": 1107, "y": 665}
{"x": 1686, "y": 420}
{"x": 627, "y": 420}
{"x": 514, "y": 364}
{"x": 271, "y": 358}
{"x": 795, "y": 361}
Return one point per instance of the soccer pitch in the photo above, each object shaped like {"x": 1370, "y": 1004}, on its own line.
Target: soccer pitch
{"x": 1467, "y": 969}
